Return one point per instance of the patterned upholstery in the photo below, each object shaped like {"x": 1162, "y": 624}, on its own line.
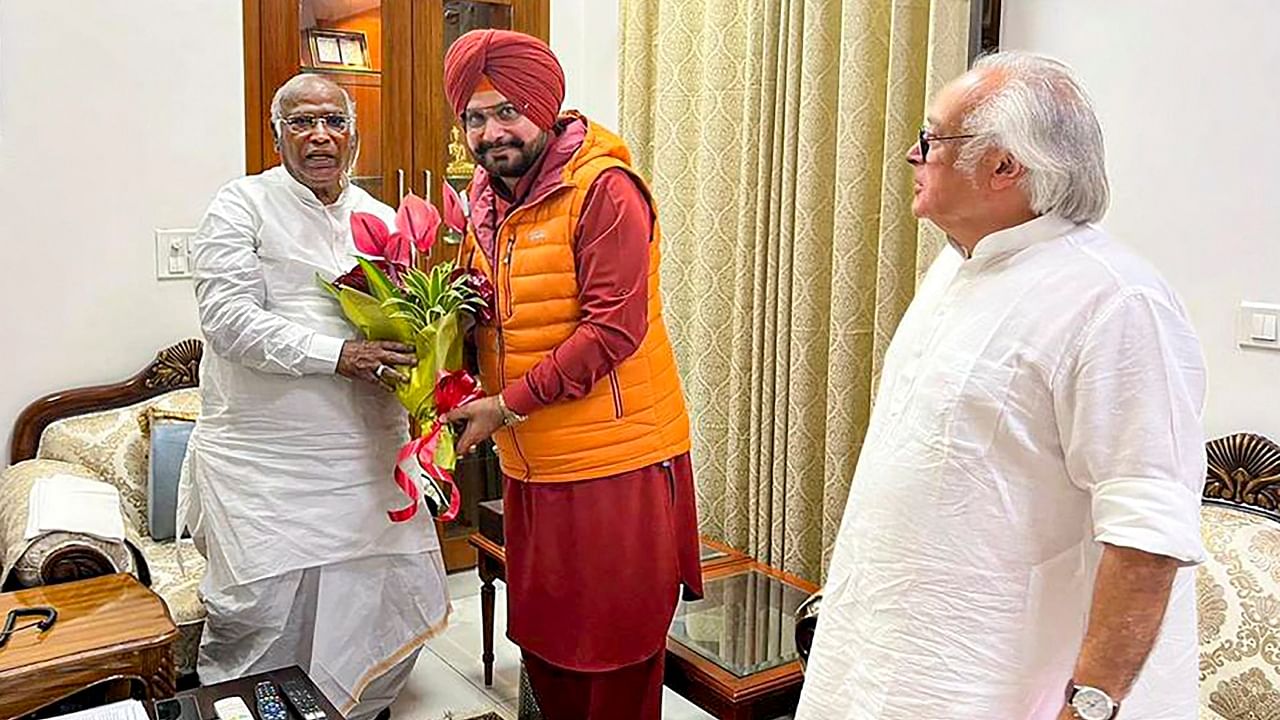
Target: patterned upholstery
{"x": 1238, "y": 594}
{"x": 178, "y": 584}
{"x": 113, "y": 445}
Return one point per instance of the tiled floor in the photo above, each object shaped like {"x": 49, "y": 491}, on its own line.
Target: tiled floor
{"x": 448, "y": 681}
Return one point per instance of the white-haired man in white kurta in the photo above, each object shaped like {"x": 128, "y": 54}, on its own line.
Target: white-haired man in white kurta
{"x": 293, "y": 453}
{"x": 1019, "y": 536}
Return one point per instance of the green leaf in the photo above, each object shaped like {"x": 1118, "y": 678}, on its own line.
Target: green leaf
{"x": 330, "y": 287}
{"x": 407, "y": 310}
{"x": 380, "y": 286}
{"x": 374, "y": 322}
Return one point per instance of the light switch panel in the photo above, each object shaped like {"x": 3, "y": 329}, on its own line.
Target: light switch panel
{"x": 173, "y": 254}
{"x": 1258, "y": 325}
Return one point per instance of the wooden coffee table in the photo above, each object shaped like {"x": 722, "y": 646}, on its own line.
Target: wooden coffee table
{"x": 108, "y": 628}
{"x": 732, "y": 653}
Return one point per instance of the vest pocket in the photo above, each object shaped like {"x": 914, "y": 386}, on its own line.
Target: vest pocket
{"x": 617, "y": 393}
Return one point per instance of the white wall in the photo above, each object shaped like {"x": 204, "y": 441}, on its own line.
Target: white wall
{"x": 584, "y": 35}
{"x": 115, "y": 118}
{"x": 1186, "y": 91}
{"x": 120, "y": 117}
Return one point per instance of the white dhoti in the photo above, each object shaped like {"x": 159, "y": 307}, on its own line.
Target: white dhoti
{"x": 355, "y": 627}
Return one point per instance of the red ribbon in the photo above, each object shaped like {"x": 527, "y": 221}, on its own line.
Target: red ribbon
{"x": 453, "y": 389}
{"x": 423, "y": 451}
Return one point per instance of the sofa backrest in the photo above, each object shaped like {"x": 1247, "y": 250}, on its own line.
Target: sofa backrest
{"x": 1238, "y": 589}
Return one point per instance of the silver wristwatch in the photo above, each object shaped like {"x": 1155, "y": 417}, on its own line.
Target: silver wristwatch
{"x": 1090, "y": 703}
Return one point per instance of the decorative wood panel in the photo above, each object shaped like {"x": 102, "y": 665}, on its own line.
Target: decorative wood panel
{"x": 177, "y": 366}
{"x": 1244, "y": 472}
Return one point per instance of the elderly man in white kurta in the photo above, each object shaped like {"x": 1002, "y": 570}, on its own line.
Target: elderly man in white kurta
{"x": 293, "y": 453}
{"x": 1020, "y": 532}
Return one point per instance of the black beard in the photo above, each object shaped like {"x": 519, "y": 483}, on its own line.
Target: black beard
{"x": 505, "y": 169}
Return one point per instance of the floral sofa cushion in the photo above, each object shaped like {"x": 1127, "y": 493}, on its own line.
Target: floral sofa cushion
{"x": 112, "y": 444}
{"x": 1238, "y": 595}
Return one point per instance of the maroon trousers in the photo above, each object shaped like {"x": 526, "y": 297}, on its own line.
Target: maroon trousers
{"x": 632, "y": 692}
{"x": 594, "y": 571}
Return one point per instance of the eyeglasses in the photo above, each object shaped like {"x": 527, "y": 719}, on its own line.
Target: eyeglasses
{"x": 505, "y": 115}
{"x": 333, "y": 122}
{"x": 926, "y": 138}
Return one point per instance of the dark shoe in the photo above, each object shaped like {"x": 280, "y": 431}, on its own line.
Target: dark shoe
{"x": 384, "y": 715}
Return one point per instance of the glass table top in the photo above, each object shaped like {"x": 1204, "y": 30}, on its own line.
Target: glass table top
{"x": 710, "y": 553}
{"x": 745, "y": 623}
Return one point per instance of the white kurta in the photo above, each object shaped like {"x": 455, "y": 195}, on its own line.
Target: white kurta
{"x": 291, "y": 463}
{"x": 1038, "y": 399}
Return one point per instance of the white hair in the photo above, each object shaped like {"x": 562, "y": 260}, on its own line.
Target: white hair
{"x": 287, "y": 94}
{"x": 1039, "y": 113}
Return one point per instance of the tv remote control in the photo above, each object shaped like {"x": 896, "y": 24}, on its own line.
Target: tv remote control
{"x": 302, "y": 700}
{"x": 270, "y": 705}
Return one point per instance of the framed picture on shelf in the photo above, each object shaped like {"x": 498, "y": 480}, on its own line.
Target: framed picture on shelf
{"x": 339, "y": 49}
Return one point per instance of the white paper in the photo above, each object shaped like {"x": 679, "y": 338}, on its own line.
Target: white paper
{"x": 327, "y": 50}
{"x": 352, "y": 52}
{"x": 123, "y": 710}
{"x": 74, "y": 504}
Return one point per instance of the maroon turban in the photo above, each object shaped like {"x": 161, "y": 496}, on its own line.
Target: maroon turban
{"x": 519, "y": 66}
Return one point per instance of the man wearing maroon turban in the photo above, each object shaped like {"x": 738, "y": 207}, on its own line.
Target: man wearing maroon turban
{"x": 584, "y": 402}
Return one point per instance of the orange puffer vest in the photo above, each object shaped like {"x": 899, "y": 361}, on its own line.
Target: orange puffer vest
{"x": 633, "y": 417}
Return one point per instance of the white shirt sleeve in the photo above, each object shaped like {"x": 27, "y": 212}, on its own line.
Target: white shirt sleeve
{"x": 231, "y": 293}
{"x": 1129, "y": 411}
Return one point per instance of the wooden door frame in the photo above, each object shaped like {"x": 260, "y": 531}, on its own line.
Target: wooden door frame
{"x": 430, "y": 108}
{"x": 271, "y": 56}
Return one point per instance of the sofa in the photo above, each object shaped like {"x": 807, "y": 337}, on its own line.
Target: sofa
{"x": 1237, "y": 589}
{"x": 132, "y": 436}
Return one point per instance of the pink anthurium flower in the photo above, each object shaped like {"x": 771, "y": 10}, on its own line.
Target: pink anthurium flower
{"x": 454, "y": 217}
{"x": 370, "y": 234}
{"x": 419, "y": 221}
{"x": 398, "y": 251}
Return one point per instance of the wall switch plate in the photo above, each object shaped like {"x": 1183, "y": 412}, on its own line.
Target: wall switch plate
{"x": 173, "y": 254}
{"x": 1258, "y": 325}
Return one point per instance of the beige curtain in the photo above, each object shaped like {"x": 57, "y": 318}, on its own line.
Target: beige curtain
{"x": 773, "y": 132}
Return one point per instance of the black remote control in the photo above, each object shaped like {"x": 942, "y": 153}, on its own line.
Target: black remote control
{"x": 270, "y": 706}
{"x": 302, "y": 700}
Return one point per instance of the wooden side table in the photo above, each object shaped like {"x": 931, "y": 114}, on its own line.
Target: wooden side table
{"x": 108, "y": 628}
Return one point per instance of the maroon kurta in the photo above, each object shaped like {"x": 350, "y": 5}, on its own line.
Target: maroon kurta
{"x": 594, "y": 568}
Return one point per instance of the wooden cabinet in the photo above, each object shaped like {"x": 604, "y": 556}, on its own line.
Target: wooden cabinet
{"x": 389, "y": 56}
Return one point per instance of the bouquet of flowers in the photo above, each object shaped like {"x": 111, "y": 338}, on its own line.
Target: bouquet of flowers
{"x": 387, "y": 297}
